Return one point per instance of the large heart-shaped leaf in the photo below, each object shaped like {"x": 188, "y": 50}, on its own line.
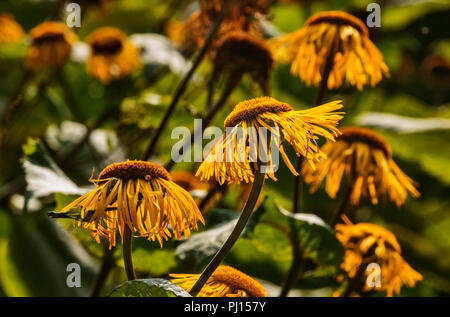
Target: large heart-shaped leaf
{"x": 316, "y": 237}
{"x": 35, "y": 254}
{"x": 201, "y": 246}
{"x": 43, "y": 176}
{"x": 155, "y": 287}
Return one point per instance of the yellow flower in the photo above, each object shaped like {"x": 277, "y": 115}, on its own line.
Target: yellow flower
{"x": 367, "y": 243}
{"x": 224, "y": 282}
{"x": 51, "y": 44}
{"x": 112, "y": 55}
{"x": 356, "y": 59}
{"x": 230, "y": 161}
{"x": 238, "y": 52}
{"x": 139, "y": 195}
{"x": 365, "y": 159}
{"x": 10, "y": 30}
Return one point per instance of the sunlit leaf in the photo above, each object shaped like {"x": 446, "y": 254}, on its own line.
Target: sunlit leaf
{"x": 42, "y": 175}
{"x": 201, "y": 246}
{"x": 40, "y": 268}
{"x": 155, "y": 287}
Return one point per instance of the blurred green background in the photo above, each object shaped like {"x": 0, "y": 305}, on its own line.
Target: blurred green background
{"x": 410, "y": 109}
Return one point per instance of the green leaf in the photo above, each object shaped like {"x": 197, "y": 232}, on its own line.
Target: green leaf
{"x": 399, "y": 16}
{"x": 201, "y": 246}
{"x": 34, "y": 256}
{"x": 429, "y": 149}
{"x": 155, "y": 287}
{"x": 316, "y": 237}
{"x": 157, "y": 262}
{"x": 42, "y": 175}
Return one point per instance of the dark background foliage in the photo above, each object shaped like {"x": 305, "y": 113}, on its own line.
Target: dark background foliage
{"x": 35, "y": 250}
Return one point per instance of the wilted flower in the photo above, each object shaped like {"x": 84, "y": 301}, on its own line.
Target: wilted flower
{"x": 139, "y": 195}
{"x": 239, "y": 52}
{"x": 224, "y": 282}
{"x": 51, "y": 44}
{"x": 367, "y": 243}
{"x": 365, "y": 159}
{"x": 112, "y": 55}
{"x": 10, "y": 30}
{"x": 230, "y": 161}
{"x": 340, "y": 36}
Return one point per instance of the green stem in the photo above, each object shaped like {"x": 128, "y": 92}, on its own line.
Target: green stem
{"x": 70, "y": 98}
{"x": 182, "y": 87}
{"x": 127, "y": 257}
{"x": 231, "y": 85}
{"x": 75, "y": 147}
{"x": 210, "y": 96}
{"x": 342, "y": 206}
{"x": 210, "y": 195}
{"x": 355, "y": 284}
{"x": 240, "y": 225}
{"x": 14, "y": 103}
{"x": 297, "y": 256}
{"x": 107, "y": 265}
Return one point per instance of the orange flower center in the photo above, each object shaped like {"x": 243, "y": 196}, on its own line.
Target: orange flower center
{"x": 338, "y": 18}
{"x": 238, "y": 281}
{"x": 134, "y": 170}
{"x": 369, "y": 137}
{"x": 107, "y": 46}
{"x": 49, "y": 37}
{"x": 250, "y": 109}
{"x": 245, "y": 52}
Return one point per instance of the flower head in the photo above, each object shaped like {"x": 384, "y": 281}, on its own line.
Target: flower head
{"x": 366, "y": 243}
{"x": 365, "y": 159}
{"x": 10, "y": 30}
{"x": 139, "y": 195}
{"x": 355, "y": 59}
{"x": 112, "y": 56}
{"x": 239, "y": 15}
{"x": 257, "y": 127}
{"x": 224, "y": 282}
{"x": 51, "y": 44}
{"x": 238, "y": 52}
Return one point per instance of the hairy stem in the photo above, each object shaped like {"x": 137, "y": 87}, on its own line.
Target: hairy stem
{"x": 240, "y": 225}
